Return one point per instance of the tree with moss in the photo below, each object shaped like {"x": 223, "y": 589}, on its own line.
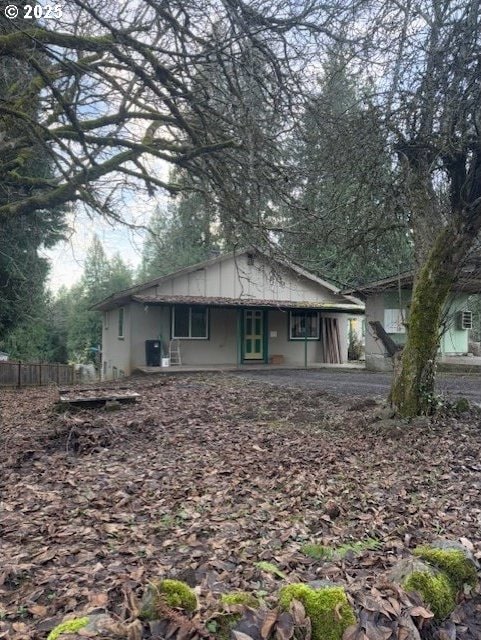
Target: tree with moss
{"x": 434, "y": 115}
{"x": 23, "y": 268}
{"x": 422, "y": 61}
{"x": 124, "y": 89}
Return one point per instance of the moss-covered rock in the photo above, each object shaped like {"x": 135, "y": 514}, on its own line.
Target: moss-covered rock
{"x": 454, "y": 562}
{"x": 173, "y": 593}
{"x": 436, "y": 591}
{"x": 328, "y": 609}
{"x": 240, "y": 597}
{"x": 69, "y": 626}
{"x": 98, "y": 625}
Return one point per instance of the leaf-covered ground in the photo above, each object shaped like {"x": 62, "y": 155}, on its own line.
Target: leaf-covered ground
{"x": 207, "y": 476}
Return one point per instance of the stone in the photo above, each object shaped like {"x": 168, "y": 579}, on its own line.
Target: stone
{"x": 454, "y": 545}
{"x": 92, "y": 626}
{"x": 407, "y": 566}
{"x": 433, "y": 585}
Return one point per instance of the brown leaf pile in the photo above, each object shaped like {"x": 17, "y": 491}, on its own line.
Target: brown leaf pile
{"x": 204, "y": 478}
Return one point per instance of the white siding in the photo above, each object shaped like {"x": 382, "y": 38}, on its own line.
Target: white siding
{"x": 235, "y": 278}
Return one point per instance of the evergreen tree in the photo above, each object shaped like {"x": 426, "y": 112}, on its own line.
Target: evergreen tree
{"x": 23, "y": 271}
{"x": 345, "y": 226}
{"x": 180, "y": 235}
{"x": 100, "y": 279}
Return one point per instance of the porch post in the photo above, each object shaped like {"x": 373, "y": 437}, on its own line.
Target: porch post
{"x": 305, "y": 339}
{"x": 239, "y": 337}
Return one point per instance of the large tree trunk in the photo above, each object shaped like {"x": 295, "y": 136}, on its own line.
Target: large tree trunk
{"x": 412, "y": 391}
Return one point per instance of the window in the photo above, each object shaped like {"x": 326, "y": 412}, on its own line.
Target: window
{"x": 394, "y": 319}
{"x": 189, "y": 322}
{"x": 299, "y": 321}
{"x": 121, "y": 322}
{"x": 106, "y": 320}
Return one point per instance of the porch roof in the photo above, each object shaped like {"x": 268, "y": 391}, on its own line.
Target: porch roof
{"x": 246, "y": 302}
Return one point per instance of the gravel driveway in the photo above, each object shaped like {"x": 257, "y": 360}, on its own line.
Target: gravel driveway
{"x": 361, "y": 383}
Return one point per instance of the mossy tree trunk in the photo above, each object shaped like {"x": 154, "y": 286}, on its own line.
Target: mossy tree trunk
{"x": 439, "y": 263}
{"x": 412, "y": 391}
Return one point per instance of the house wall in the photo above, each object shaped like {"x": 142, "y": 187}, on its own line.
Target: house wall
{"x": 234, "y": 278}
{"x": 148, "y": 323}
{"x": 453, "y": 342}
{"x": 229, "y": 278}
{"x": 115, "y": 350}
{"x": 143, "y": 323}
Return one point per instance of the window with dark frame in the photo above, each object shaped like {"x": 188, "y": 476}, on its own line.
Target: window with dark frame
{"x": 190, "y": 322}
{"x": 300, "y": 321}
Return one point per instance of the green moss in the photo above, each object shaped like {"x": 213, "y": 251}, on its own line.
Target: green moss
{"x": 70, "y": 626}
{"x": 412, "y": 391}
{"x": 317, "y": 551}
{"x": 320, "y": 552}
{"x": 328, "y": 608}
{"x": 453, "y": 562}
{"x": 173, "y": 593}
{"x": 436, "y": 591}
{"x": 240, "y": 597}
{"x": 270, "y": 567}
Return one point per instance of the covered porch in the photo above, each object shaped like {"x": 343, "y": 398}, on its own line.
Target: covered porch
{"x": 222, "y": 334}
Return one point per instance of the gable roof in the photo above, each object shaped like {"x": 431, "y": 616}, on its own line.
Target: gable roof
{"x": 123, "y": 296}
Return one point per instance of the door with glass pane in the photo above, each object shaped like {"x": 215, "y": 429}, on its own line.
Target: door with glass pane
{"x": 253, "y": 334}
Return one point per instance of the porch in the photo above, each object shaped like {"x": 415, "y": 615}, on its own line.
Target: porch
{"x": 219, "y": 337}
{"x": 226, "y": 368}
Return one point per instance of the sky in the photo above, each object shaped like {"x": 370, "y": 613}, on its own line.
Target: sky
{"x": 67, "y": 258}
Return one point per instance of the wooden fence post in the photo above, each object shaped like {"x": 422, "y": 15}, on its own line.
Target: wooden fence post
{"x": 19, "y": 379}
{"x": 40, "y": 374}
{"x": 58, "y": 373}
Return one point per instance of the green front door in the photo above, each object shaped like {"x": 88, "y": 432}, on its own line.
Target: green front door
{"x": 253, "y": 338}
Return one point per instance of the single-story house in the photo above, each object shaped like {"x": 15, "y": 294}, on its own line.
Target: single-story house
{"x": 387, "y": 302}
{"x": 235, "y": 309}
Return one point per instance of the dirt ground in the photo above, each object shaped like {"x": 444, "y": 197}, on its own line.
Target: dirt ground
{"x": 363, "y": 383}
{"x": 205, "y": 477}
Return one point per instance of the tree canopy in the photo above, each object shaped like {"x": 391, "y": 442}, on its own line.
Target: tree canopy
{"x": 122, "y": 87}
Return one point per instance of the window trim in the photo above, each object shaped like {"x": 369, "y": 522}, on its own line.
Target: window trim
{"x": 190, "y": 337}
{"x": 121, "y": 336}
{"x": 302, "y": 339}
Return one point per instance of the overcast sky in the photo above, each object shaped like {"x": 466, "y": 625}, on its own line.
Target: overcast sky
{"x": 67, "y": 259}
